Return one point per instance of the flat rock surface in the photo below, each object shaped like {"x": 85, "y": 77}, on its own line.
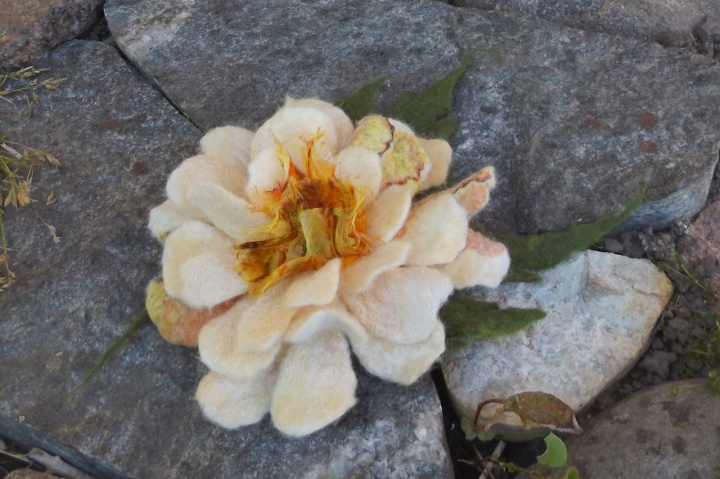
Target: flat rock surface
{"x": 601, "y": 309}
{"x": 669, "y": 22}
{"x": 568, "y": 118}
{"x": 31, "y": 28}
{"x": 653, "y": 433}
{"x": 118, "y": 139}
{"x": 701, "y": 248}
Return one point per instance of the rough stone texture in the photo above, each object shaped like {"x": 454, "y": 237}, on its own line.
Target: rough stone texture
{"x": 568, "y": 118}
{"x": 654, "y": 434}
{"x": 601, "y": 309}
{"x": 669, "y": 22}
{"x": 31, "y": 28}
{"x": 30, "y": 474}
{"x": 701, "y": 248}
{"x": 118, "y": 140}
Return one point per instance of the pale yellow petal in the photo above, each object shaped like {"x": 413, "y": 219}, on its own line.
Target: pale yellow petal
{"x": 291, "y": 123}
{"x": 204, "y": 169}
{"x": 166, "y": 218}
{"x": 190, "y": 240}
{"x": 483, "y": 262}
{"x": 436, "y": 229}
{"x": 315, "y": 386}
{"x": 359, "y": 276}
{"x": 343, "y": 124}
{"x": 265, "y": 173}
{"x": 361, "y": 168}
{"x": 260, "y": 321}
{"x": 228, "y": 143}
{"x": 400, "y": 363}
{"x": 229, "y": 213}
{"x": 314, "y": 320}
{"x": 402, "y": 305}
{"x": 314, "y": 287}
{"x": 232, "y": 403}
{"x": 473, "y": 193}
{"x": 387, "y": 214}
{"x": 440, "y": 154}
{"x": 215, "y": 344}
{"x": 401, "y": 126}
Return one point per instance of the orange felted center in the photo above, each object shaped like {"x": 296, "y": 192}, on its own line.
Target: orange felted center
{"x": 324, "y": 218}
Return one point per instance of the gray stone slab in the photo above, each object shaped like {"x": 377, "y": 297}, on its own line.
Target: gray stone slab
{"x": 118, "y": 139}
{"x": 653, "y": 433}
{"x": 568, "y": 118}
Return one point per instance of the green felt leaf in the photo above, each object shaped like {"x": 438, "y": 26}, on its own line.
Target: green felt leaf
{"x": 555, "y": 454}
{"x": 468, "y": 319}
{"x": 359, "y": 104}
{"x": 428, "y": 112}
{"x": 140, "y": 320}
{"x": 530, "y": 253}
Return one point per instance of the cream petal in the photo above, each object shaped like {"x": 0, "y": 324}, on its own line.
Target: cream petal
{"x": 260, "y": 322}
{"x": 483, "y": 262}
{"x": 228, "y": 143}
{"x": 313, "y": 320}
{"x": 314, "y": 287}
{"x": 265, "y": 173}
{"x": 436, "y": 229}
{"x": 473, "y": 193}
{"x": 401, "y": 126}
{"x": 190, "y": 240}
{"x": 343, "y": 124}
{"x": 359, "y": 276}
{"x": 166, "y": 218}
{"x": 400, "y": 363}
{"x": 402, "y": 305}
{"x": 360, "y": 167}
{"x": 315, "y": 386}
{"x": 232, "y": 403}
{"x": 215, "y": 344}
{"x": 204, "y": 169}
{"x": 387, "y": 214}
{"x": 229, "y": 213}
{"x": 440, "y": 154}
{"x": 291, "y": 123}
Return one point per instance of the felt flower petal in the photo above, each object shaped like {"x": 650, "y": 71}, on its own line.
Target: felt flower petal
{"x": 440, "y": 154}
{"x": 166, "y": 218}
{"x": 313, "y": 320}
{"x": 483, "y": 262}
{"x": 343, "y": 124}
{"x": 315, "y": 386}
{"x": 260, "y": 322}
{"x": 229, "y": 213}
{"x": 265, "y": 172}
{"x": 232, "y": 403}
{"x": 436, "y": 230}
{"x": 400, "y": 363}
{"x": 228, "y": 143}
{"x": 473, "y": 193}
{"x": 401, "y": 126}
{"x": 212, "y": 274}
{"x": 402, "y": 305}
{"x": 215, "y": 344}
{"x": 361, "y": 168}
{"x": 359, "y": 276}
{"x": 314, "y": 287}
{"x": 387, "y": 214}
{"x": 204, "y": 169}
{"x": 292, "y": 123}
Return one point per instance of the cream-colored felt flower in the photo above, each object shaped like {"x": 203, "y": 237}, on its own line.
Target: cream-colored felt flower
{"x": 303, "y": 241}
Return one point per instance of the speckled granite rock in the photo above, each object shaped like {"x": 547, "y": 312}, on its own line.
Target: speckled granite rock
{"x": 601, "y": 309}
{"x": 669, "y": 22}
{"x": 31, "y": 28}
{"x": 118, "y": 139}
{"x": 653, "y": 433}
{"x": 701, "y": 248}
{"x": 568, "y": 118}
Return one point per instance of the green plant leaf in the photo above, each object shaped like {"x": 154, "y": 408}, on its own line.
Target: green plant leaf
{"x": 530, "y": 253}
{"x": 572, "y": 473}
{"x": 140, "y": 320}
{"x": 468, "y": 319}
{"x": 428, "y": 112}
{"x": 555, "y": 454}
{"x": 359, "y": 104}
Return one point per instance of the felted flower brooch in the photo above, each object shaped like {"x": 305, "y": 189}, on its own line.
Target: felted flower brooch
{"x": 288, "y": 247}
